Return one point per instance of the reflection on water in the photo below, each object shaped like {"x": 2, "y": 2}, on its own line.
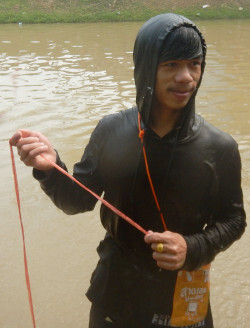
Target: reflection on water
{"x": 60, "y": 80}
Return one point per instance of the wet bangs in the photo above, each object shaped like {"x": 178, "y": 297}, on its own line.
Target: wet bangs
{"x": 182, "y": 43}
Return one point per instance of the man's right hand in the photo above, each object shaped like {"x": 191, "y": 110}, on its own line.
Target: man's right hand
{"x": 30, "y": 145}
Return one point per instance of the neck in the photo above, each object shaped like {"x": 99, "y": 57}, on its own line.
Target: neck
{"x": 162, "y": 122}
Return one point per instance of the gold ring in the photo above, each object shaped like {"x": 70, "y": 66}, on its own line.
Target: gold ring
{"x": 159, "y": 247}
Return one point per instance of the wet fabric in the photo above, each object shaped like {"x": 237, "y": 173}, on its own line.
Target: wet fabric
{"x": 143, "y": 301}
{"x": 100, "y": 319}
{"x": 196, "y": 171}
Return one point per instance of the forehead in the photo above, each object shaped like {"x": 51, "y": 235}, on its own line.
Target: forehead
{"x": 196, "y": 58}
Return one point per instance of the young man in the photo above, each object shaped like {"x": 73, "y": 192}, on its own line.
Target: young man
{"x": 170, "y": 171}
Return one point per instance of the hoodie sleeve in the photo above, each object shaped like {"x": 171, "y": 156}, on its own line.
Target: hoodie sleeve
{"x": 229, "y": 220}
{"x": 65, "y": 193}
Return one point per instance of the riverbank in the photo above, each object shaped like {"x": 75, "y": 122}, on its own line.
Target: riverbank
{"x": 70, "y": 11}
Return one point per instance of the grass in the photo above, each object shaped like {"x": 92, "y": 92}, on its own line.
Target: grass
{"x": 73, "y": 11}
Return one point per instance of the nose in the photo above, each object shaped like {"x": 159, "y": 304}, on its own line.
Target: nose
{"x": 183, "y": 75}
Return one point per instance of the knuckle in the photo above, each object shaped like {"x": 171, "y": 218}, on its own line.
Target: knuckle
{"x": 175, "y": 249}
{"x": 155, "y": 255}
{"x": 24, "y": 148}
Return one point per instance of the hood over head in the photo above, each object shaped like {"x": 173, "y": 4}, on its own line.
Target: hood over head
{"x": 157, "y": 41}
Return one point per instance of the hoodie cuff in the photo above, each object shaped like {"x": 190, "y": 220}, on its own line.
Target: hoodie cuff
{"x": 42, "y": 176}
{"x": 193, "y": 259}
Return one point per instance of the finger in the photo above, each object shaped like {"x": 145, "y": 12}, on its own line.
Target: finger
{"x": 22, "y": 134}
{"x": 28, "y": 140}
{"x": 157, "y": 237}
{"x": 29, "y": 151}
{"x": 168, "y": 265}
{"x": 38, "y": 150}
{"x": 146, "y": 237}
{"x": 153, "y": 237}
{"x": 167, "y": 261}
{"x": 28, "y": 133}
{"x": 164, "y": 257}
{"x": 171, "y": 248}
{"x": 158, "y": 247}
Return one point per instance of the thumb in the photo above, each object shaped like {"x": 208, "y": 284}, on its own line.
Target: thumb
{"x": 15, "y": 138}
{"x": 146, "y": 237}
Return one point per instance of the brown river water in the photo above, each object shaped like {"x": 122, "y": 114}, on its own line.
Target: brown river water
{"x": 60, "y": 80}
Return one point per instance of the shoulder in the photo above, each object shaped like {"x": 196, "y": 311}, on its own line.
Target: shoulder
{"x": 120, "y": 117}
{"x": 121, "y": 125}
{"x": 121, "y": 121}
{"x": 216, "y": 137}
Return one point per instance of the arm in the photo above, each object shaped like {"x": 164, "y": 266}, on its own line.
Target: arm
{"x": 65, "y": 193}
{"x": 228, "y": 224}
{"x": 229, "y": 220}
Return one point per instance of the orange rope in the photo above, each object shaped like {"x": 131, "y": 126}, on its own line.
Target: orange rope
{"x": 114, "y": 209}
{"x": 141, "y": 136}
{"x": 23, "y": 236}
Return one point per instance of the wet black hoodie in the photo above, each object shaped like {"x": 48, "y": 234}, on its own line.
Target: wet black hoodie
{"x": 196, "y": 172}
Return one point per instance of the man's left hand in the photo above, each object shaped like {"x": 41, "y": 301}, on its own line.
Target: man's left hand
{"x": 174, "y": 250}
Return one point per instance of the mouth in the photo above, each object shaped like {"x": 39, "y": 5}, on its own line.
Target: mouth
{"x": 182, "y": 93}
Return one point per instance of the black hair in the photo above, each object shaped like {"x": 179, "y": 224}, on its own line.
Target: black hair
{"x": 183, "y": 42}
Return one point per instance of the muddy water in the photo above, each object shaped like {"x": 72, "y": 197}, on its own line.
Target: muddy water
{"x": 60, "y": 80}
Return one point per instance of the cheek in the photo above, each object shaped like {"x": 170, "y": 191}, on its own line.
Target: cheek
{"x": 159, "y": 92}
{"x": 197, "y": 77}
{"x": 161, "y": 82}
{"x": 161, "y": 76}
{"x": 157, "y": 88}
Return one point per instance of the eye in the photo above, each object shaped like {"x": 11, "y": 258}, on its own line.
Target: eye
{"x": 169, "y": 64}
{"x": 196, "y": 62}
